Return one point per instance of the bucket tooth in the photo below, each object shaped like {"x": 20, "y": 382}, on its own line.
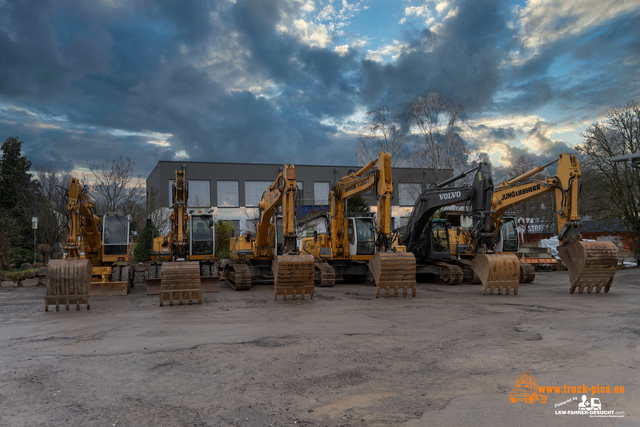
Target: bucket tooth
{"x": 497, "y": 272}
{"x": 394, "y": 270}
{"x": 293, "y": 275}
{"x": 68, "y": 282}
{"x": 180, "y": 281}
{"x": 590, "y": 265}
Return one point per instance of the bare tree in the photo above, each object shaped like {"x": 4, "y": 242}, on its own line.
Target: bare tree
{"x": 439, "y": 144}
{"x": 46, "y": 198}
{"x": 157, "y": 212}
{"x": 113, "y": 186}
{"x": 615, "y": 186}
{"x": 383, "y": 132}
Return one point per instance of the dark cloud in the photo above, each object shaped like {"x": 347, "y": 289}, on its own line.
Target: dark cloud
{"x": 83, "y": 81}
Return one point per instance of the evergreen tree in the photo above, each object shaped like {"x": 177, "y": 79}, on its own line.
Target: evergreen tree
{"x": 357, "y": 204}
{"x": 14, "y": 177}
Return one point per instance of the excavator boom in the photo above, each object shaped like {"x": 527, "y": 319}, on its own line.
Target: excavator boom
{"x": 591, "y": 265}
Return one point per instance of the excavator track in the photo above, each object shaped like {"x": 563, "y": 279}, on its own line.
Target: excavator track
{"x": 394, "y": 270}
{"x": 449, "y": 274}
{"x": 325, "y": 274}
{"x": 293, "y": 275}
{"x": 527, "y": 272}
{"x": 68, "y": 282}
{"x": 497, "y": 272}
{"x": 180, "y": 281}
{"x": 591, "y": 265}
{"x": 238, "y": 276}
{"x": 469, "y": 276}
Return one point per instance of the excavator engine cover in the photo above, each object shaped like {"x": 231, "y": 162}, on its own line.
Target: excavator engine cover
{"x": 180, "y": 281}
{"x": 68, "y": 282}
{"x": 293, "y": 275}
{"x": 394, "y": 270}
{"x": 497, "y": 272}
{"x": 590, "y": 264}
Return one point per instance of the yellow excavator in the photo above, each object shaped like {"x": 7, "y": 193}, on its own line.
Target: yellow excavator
{"x": 179, "y": 278}
{"x": 105, "y": 242}
{"x": 191, "y": 238}
{"x": 274, "y": 249}
{"x": 591, "y": 265}
{"x": 355, "y": 243}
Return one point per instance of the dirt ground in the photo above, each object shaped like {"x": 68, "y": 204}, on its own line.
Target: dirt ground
{"x": 448, "y": 357}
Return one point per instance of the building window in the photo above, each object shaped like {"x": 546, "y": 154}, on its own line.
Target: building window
{"x": 199, "y": 193}
{"x": 253, "y": 191}
{"x": 321, "y": 193}
{"x": 228, "y": 194}
{"x": 409, "y": 193}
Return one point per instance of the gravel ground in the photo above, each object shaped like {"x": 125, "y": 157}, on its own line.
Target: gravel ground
{"x": 449, "y": 357}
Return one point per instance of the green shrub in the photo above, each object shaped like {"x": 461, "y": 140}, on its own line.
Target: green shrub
{"x": 18, "y": 256}
{"x": 144, "y": 247}
{"x": 223, "y": 234}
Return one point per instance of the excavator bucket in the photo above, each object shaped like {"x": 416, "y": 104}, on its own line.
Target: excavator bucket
{"x": 180, "y": 281}
{"x": 497, "y": 272}
{"x": 590, "y": 264}
{"x": 394, "y": 270}
{"x": 68, "y": 282}
{"x": 293, "y": 275}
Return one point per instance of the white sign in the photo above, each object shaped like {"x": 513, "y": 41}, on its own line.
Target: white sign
{"x": 34, "y": 223}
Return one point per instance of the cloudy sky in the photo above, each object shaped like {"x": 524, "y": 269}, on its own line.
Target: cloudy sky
{"x": 291, "y": 80}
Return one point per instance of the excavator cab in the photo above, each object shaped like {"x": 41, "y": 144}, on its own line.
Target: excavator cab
{"x": 115, "y": 236}
{"x": 508, "y": 241}
{"x": 201, "y": 236}
{"x": 361, "y": 232}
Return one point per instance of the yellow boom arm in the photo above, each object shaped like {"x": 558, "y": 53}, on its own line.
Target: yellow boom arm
{"x": 83, "y": 222}
{"x": 564, "y": 184}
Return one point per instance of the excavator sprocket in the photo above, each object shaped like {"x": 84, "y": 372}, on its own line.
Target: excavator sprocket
{"x": 590, "y": 264}
{"x": 68, "y": 282}
{"x": 238, "y": 276}
{"x": 325, "y": 274}
{"x": 527, "y": 272}
{"x": 497, "y": 272}
{"x": 180, "y": 281}
{"x": 293, "y": 275}
{"x": 394, "y": 270}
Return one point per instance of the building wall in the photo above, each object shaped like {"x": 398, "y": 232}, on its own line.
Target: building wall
{"x": 411, "y": 180}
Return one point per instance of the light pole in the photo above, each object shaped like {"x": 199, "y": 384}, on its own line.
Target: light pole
{"x": 34, "y": 225}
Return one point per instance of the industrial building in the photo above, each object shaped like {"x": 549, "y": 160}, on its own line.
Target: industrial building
{"x": 233, "y": 190}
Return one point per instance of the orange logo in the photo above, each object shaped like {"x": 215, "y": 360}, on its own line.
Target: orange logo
{"x": 526, "y": 390}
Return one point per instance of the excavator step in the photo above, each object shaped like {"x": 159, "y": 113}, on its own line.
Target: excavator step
{"x": 394, "y": 270}
{"x": 497, "y": 272}
{"x": 180, "y": 281}
{"x": 293, "y": 275}
{"x": 68, "y": 282}
{"x": 591, "y": 265}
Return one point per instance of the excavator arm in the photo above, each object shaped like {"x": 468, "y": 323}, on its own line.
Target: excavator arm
{"x": 590, "y": 264}
{"x": 84, "y": 225}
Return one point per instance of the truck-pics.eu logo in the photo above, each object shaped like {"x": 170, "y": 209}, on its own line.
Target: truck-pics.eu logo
{"x": 526, "y": 389}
